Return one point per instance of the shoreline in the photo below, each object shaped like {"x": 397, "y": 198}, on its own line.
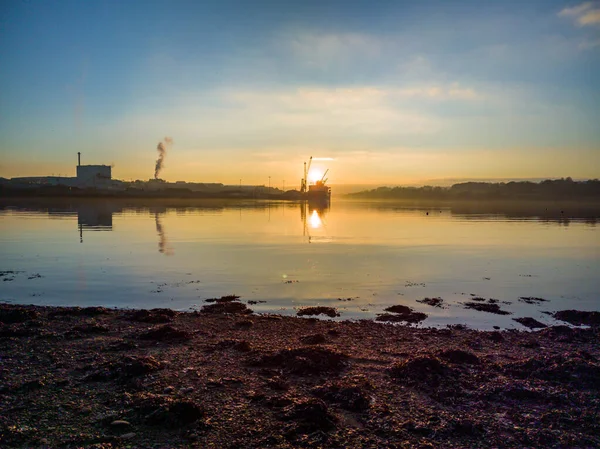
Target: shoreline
{"x": 103, "y": 378}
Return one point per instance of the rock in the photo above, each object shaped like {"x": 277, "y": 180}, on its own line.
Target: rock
{"x": 169, "y": 390}
{"x": 120, "y": 424}
{"x": 187, "y": 390}
{"x": 128, "y": 436}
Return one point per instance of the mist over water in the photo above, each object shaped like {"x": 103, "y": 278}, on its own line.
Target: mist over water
{"x": 358, "y": 257}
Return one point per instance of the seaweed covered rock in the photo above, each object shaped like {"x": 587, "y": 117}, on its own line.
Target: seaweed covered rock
{"x": 154, "y": 316}
{"x": 10, "y": 314}
{"x": 529, "y": 322}
{"x": 318, "y": 310}
{"x": 309, "y": 415}
{"x": 350, "y": 393}
{"x": 433, "y": 302}
{"x": 485, "y": 307}
{"x": 305, "y": 361}
{"x": 166, "y": 333}
{"x": 313, "y": 339}
{"x": 229, "y": 305}
{"x": 578, "y": 317}
{"x": 575, "y": 370}
{"x": 400, "y": 313}
{"x": 459, "y": 357}
{"x": 424, "y": 369}
{"x": 126, "y": 368}
{"x": 166, "y": 412}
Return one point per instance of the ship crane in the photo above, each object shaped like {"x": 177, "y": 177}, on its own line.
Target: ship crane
{"x": 323, "y": 180}
{"x": 304, "y": 182}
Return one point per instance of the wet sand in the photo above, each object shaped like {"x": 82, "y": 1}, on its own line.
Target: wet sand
{"x": 102, "y": 378}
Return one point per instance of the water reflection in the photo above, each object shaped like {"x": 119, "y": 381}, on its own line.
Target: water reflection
{"x": 313, "y": 218}
{"x": 94, "y": 217}
{"x": 163, "y": 243}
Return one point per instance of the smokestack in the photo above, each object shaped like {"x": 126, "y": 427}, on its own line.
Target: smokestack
{"x": 78, "y": 158}
{"x": 162, "y": 151}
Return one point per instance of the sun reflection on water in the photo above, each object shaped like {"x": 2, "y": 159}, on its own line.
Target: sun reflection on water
{"x": 315, "y": 220}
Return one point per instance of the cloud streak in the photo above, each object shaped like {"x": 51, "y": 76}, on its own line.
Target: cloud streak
{"x": 585, "y": 14}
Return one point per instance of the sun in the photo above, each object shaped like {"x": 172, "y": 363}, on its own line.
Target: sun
{"x": 315, "y": 175}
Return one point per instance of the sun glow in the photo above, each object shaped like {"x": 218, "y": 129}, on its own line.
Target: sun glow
{"x": 315, "y": 175}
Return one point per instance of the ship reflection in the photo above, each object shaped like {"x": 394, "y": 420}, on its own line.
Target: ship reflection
{"x": 313, "y": 218}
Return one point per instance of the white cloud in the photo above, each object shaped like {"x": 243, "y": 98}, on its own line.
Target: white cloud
{"x": 587, "y": 13}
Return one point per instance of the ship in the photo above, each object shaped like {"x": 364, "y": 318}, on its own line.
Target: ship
{"x": 317, "y": 193}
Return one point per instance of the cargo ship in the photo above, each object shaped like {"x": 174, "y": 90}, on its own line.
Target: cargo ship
{"x": 318, "y": 192}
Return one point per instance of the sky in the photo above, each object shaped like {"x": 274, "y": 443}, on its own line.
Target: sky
{"x": 384, "y": 92}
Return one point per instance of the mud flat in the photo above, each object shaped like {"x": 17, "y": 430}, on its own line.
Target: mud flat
{"x": 226, "y": 378}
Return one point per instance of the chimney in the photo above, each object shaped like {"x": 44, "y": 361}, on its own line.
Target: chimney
{"x": 78, "y": 158}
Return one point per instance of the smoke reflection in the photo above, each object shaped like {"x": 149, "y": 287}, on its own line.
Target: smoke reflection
{"x": 163, "y": 243}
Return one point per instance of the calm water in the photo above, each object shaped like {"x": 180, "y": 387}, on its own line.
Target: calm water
{"x": 177, "y": 254}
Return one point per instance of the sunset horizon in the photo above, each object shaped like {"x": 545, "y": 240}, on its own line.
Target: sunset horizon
{"x": 398, "y": 94}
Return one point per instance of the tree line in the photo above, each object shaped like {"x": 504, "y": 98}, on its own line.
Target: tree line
{"x": 550, "y": 189}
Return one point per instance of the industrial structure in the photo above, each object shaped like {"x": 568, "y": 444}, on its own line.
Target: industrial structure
{"x": 87, "y": 177}
{"x": 318, "y": 192}
{"x": 95, "y": 176}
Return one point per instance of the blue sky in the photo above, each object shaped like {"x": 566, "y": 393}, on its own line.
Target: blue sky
{"x": 393, "y": 91}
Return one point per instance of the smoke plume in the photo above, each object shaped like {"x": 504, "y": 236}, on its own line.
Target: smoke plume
{"x": 162, "y": 152}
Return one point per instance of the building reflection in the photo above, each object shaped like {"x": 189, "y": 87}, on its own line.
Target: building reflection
{"x": 93, "y": 217}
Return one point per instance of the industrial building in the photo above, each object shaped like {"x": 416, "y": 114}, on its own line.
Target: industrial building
{"x": 98, "y": 176}
{"x": 88, "y": 176}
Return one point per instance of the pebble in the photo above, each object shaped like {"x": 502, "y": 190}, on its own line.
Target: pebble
{"x": 120, "y": 423}
{"x": 186, "y": 390}
{"x": 169, "y": 390}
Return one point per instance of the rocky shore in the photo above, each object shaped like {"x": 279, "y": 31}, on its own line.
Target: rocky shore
{"x": 226, "y": 378}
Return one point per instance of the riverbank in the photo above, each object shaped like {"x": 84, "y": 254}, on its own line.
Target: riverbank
{"x": 102, "y": 378}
